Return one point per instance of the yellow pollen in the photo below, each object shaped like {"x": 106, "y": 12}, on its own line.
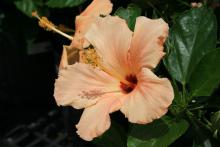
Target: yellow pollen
{"x": 89, "y": 56}
{"x": 49, "y": 26}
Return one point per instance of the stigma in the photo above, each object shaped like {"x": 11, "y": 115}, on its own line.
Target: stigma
{"x": 130, "y": 86}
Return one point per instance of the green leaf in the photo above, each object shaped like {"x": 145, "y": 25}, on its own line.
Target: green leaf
{"x": 114, "y": 137}
{"x": 202, "y": 138}
{"x": 193, "y": 34}
{"x": 215, "y": 120}
{"x": 206, "y": 143}
{"x": 64, "y": 3}
{"x": 28, "y": 6}
{"x": 159, "y": 133}
{"x": 214, "y": 102}
{"x": 129, "y": 14}
{"x": 205, "y": 77}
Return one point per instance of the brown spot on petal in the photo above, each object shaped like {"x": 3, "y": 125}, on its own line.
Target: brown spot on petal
{"x": 161, "y": 40}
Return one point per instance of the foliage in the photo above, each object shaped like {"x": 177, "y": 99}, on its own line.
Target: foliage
{"x": 192, "y": 62}
{"x": 168, "y": 130}
{"x": 188, "y": 43}
{"x": 129, "y": 14}
{"x": 64, "y": 3}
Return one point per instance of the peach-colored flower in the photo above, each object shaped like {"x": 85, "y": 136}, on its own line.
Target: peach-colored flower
{"x": 88, "y": 16}
{"x": 123, "y": 81}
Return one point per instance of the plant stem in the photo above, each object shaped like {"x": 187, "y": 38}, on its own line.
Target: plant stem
{"x": 200, "y": 107}
{"x": 192, "y": 118}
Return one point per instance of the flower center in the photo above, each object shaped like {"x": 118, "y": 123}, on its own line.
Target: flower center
{"x": 127, "y": 88}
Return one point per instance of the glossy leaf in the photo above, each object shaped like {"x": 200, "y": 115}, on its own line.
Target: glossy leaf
{"x": 114, "y": 137}
{"x": 206, "y": 75}
{"x": 159, "y": 133}
{"x": 28, "y": 6}
{"x": 64, "y": 3}
{"x": 193, "y": 34}
{"x": 129, "y": 14}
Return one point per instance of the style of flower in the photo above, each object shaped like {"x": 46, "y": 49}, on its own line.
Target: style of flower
{"x": 123, "y": 79}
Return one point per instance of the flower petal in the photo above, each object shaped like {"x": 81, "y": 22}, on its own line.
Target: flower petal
{"x": 69, "y": 56}
{"x": 98, "y": 7}
{"x": 111, "y": 38}
{"x": 95, "y": 119}
{"x": 149, "y": 100}
{"x": 63, "y": 60}
{"x": 81, "y": 85}
{"x": 147, "y": 42}
{"x": 82, "y": 23}
{"x": 88, "y": 16}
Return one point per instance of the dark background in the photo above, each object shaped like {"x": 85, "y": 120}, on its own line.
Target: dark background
{"x": 28, "y": 72}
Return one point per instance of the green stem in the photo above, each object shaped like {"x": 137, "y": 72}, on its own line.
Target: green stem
{"x": 185, "y": 99}
{"x": 208, "y": 122}
{"x": 200, "y": 107}
{"x": 192, "y": 118}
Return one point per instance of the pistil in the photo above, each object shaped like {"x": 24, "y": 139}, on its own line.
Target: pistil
{"x": 48, "y": 25}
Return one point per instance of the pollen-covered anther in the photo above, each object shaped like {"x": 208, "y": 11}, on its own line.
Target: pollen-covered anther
{"x": 46, "y": 24}
{"x": 49, "y": 26}
{"x": 89, "y": 56}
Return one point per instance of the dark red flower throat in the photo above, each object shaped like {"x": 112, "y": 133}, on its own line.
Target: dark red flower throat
{"x": 127, "y": 88}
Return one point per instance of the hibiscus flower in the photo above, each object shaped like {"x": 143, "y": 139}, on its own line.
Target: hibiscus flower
{"x": 123, "y": 79}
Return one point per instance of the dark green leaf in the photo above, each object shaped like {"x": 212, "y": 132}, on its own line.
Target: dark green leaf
{"x": 206, "y": 143}
{"x": 64, "y": 3}
{"x": 144, "y": 4}
{"x": 129, "y": 14}
{"x": 215, "y": 120}
{"x": 214, "y": 102}
{"x": 202, "y": 136}
{"x": 114, "y": 137}
{"x": 28, "y": 6}
{"x": 160, "y": 133}
{"x": 205, "y": 77}
{"x": 193, "y": 34}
